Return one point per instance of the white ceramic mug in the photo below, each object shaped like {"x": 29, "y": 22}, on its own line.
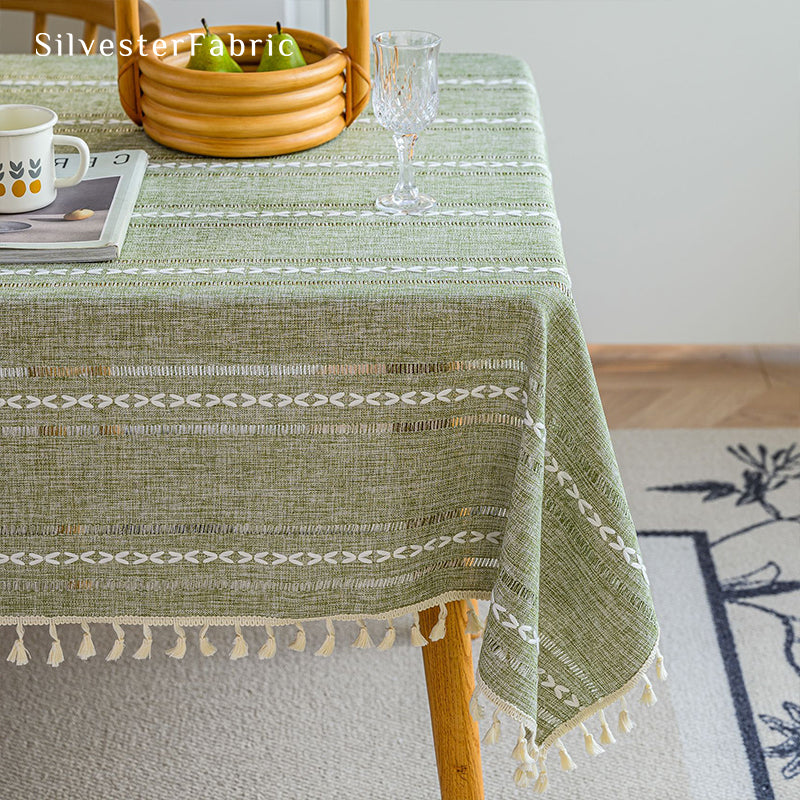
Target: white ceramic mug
{"x": 27, "y": 159}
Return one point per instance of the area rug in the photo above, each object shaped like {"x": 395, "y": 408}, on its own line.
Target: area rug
{"x": 719, "y": 520}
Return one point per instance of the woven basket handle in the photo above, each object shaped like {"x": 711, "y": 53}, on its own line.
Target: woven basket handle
{"x": 126, "y": 13}
{"x": 358, "y": 47}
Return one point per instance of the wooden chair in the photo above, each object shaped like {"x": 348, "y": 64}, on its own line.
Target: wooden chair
{"x": 94, "y": 13}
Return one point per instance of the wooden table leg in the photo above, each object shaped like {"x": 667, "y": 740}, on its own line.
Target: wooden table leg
{"x": 450, "y": 679}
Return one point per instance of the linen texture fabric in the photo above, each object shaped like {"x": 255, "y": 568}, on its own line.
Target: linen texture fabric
{"x": 280, "y": 404}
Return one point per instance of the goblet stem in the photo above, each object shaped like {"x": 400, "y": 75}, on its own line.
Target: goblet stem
{"x": 405, "y": 192}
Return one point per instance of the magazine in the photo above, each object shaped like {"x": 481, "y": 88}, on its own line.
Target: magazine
{"x": 64, "y": 230}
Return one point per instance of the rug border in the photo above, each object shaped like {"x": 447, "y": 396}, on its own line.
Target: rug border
{"x": 762, "y": 785}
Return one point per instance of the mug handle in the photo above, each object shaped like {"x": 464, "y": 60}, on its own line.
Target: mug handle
{"x": 83, "y": 150}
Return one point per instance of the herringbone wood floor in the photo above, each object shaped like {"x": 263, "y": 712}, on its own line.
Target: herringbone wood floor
{"x": 688, "y": 386}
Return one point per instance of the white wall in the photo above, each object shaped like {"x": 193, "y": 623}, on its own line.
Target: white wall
{"x": 673, "y": 129}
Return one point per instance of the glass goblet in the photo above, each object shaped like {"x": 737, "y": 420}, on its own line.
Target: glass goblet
{"x": 405, "y": 99}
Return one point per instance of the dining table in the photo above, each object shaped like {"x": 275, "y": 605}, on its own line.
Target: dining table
{"x": 280, "y": 404}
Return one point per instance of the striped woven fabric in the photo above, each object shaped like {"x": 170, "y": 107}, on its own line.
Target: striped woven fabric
{"x": 281, "y": 405}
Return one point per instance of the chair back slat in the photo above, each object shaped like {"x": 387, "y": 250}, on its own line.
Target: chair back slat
{"x": 94, "y": 13}
{"x": 91, "y": 31}
{"x": 39, "y": 26}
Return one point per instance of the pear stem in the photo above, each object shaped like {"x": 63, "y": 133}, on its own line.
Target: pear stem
{"x": 278, "y": 26}
{"x": 208, "y": 32}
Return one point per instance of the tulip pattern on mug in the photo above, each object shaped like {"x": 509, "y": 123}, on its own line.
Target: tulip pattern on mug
{"x": 16, "y": 171}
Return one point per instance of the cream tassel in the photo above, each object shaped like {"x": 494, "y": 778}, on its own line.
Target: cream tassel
{"x": 475, "y": 708}
{"x": 661, "y": 670}
{"x": 606, "y": 737}
{"x": 439, "y": 630}
{"x": 19, "y": 655}
{"x": 299, "y": 643}
{"x": 521, "y": 777}
{"x": 326, "y": 648}
{"x": 520, "y": 752}
{"x": 589, "y": 742}
{"x": 207, "y": 648}
{"x": 178, "y": 650}
{"x": 119, "y": 644}
{"x": 541, "y": 782}
{"x": 86, "y": 650}
{"x": 388, "y": 638}
{"x": 56, "y": 654}
{"x": 474, "y": 624}
{"x": 269, "y": 647}
{"x": 648, "y": 697}
{"x": 417, "y": 639}
{"x": 533, "y": 749}
{"x": 567, "y": 764}
{"x": 493, "y": 734}
{"x": 363, "y": 640}
{"x": 239, "y": 649}
{"x": 146, "y": 645}
{"x": 625, "y": 724}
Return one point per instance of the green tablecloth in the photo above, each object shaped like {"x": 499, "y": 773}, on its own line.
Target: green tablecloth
{"x": 281, "y": 405}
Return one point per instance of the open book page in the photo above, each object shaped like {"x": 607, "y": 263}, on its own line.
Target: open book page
{"x": 56, "y": 233}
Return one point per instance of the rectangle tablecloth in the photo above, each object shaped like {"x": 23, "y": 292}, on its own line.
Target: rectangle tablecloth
{"x": 281, "y": 405}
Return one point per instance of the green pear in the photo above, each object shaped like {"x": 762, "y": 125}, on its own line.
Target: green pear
{"x": 211, "y": 55}
{"x": 281, "y": 51}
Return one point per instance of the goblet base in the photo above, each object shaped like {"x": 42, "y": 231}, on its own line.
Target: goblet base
{"x": 393, "y": 205}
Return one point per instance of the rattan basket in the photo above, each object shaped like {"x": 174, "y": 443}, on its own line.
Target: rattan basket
{"x": 251, "y": 113}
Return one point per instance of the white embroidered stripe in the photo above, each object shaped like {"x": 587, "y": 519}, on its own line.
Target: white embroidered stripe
{"x": 471, "y": 121}
{"x": 265, "y": 370}
{"x": 216, "y": 529}
{"x": 609, "y": 535}
{"x": 350, "y": 269}
{"x": 276, "y": 165}
{"x": 60, "y": 402}
{"x": 566, "y": 695}
{"x": 39, "y": 82}
{"x": 265, "y": 429}
{"x": 363, "y": 213}
{"x": 266, "y": 558}
{"x": 98, "y": 121}
{"x": 229, "y": 582}
{"x": 508, "y": 620}
{"x": 362, "y": 120}
{"x": 442, "y": 82}
{"x": 555, "y": 652}
{"x": 486, "y": 82}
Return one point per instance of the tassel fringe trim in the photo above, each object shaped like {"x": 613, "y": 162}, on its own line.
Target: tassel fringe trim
{"x": 363, "y": 640}
{"x": 326, "y": 649}
{"x": 439, "y": 629}
{"x": 531, "y": 759}
{"x": 115, "y": 652}
{"x": 239, "y": 649}
{"x": 206, "y": 647}
{"x": 270, "y": 647}
{"x": 147, "y": 644}
{"x": 20, "y": 655}
{"x": 530, "y": 756}
{"x": 388, "y": 638}
{"x": 56, "y": 654}
{"x": 178, "y": 650}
